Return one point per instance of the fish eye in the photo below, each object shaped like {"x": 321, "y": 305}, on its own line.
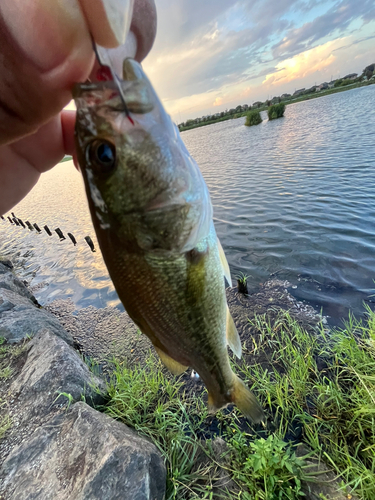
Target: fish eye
{"x": 101, "y": 155}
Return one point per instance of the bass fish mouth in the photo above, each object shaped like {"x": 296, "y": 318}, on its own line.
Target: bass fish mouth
{"x": 139, "y": 99}
{"x": 135, "y": 86}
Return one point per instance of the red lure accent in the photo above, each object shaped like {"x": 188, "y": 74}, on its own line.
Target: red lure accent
{"x": 104, "y": 74}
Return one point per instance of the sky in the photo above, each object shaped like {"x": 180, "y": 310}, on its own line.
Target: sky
{"x": 211, "y": 55}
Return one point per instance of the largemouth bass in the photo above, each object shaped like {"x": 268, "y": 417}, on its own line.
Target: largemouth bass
{"x": 153, "y": 218}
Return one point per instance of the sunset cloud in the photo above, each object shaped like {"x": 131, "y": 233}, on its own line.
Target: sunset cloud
{"x": 246, "y": 51}
{"x": 304, "y": 64}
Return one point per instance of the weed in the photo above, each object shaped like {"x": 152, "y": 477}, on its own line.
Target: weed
{"x": 6, "y": 372}
{"x": 242, "y": 278}
{"x": 269, "y": 469}
{"x": 253, "y": 118}
{"x": 324, "y": 384}
{"x": 5, "y": 423}
{"x": 276, "y": 111}
{"x": 66, "y": 395}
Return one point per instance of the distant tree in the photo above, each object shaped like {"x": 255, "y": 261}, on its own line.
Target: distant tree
{"x": 369, "y": 71}
{"x": 268, "y": 103}
{"x": 338, "y": 83}
{"x": 239, "y": 109}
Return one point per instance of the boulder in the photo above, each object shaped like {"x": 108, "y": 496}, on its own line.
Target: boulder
{"x": 52, "y": 367}
{"x": 20, "y": 318}
{"x": 84, "y": 455}
{"x": 9, "y": 300}
{"x": 11, "y": 282}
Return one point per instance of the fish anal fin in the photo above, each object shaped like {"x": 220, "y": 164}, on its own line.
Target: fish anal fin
{"x": 173, "y": 366}
{"x": 224, "y": 263}
{"x": 246, "y": 401}
{"x": 233, "y": 339}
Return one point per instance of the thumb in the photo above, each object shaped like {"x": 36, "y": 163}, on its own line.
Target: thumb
{"x": 45, "y": 48}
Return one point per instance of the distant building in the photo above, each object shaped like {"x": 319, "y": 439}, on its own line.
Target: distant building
{"x": 298, "y": 92}
{"x": 257, "y": 104}
{"x": 322, "y": 86}
{"x": 285, "y": 96}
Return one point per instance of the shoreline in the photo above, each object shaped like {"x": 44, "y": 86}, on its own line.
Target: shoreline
{"x": 308, "y": 97}
{"x": 292, "y": 361}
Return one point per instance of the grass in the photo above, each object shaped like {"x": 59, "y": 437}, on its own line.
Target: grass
{"x": 322, "y": 385}
{"x": 5, "y": 423}
{"x": 253, "y": 118}
{"x": 276, "y": 111}
{"x": 242, "y": 278}
{"x": 8, "y": 357}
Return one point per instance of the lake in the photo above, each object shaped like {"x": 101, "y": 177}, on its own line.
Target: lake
{"x": 293, "y": 198}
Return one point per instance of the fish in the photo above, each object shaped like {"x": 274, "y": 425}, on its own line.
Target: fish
{"x": 153, "y": 218}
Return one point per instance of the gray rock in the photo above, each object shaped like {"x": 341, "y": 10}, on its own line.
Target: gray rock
{"x": 19, "y": 319}
{"x": 11, "y": 282}
{"x": 9, "y": 300}
{"x": 51, "y": 368}
{"x": 84, "y": 455}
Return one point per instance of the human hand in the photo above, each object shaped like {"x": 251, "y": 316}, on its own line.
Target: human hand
{"x": 45, "y": 48}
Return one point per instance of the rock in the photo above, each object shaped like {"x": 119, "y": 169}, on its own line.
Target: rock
{"x": 20, "y": 319}
{"x": 9, "y": 300}
{"x": 11, "y": 282}
{"x": 52, "y": 367}
{"x": 84, "y": 455}
{"x": 103, "y": 333}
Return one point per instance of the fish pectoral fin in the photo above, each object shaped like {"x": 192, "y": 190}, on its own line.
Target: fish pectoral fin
{"x": 246, "y": 401}
{"x": 233, "y": 339}
{"x": 173, "y": 366}
{"x": 224, "y": 263}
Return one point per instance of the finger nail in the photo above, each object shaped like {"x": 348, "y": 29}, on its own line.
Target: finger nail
{"x": 108, "y": 20}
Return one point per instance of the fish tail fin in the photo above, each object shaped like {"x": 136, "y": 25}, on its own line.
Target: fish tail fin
{"x": 245, "y": 400}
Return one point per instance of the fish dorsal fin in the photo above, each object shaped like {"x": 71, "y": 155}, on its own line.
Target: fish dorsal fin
{"x": 233, "y": 339}
{"x": 173, "y": 366}
{"x": 224, "y": 263}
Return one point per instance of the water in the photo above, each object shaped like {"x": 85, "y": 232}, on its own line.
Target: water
{"x": 294, "y": 196}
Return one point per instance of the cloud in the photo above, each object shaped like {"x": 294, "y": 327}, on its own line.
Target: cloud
{"x": 207, "y": 54}
{"x": 304, "y": 64}
{"x": 337, "y": 18}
